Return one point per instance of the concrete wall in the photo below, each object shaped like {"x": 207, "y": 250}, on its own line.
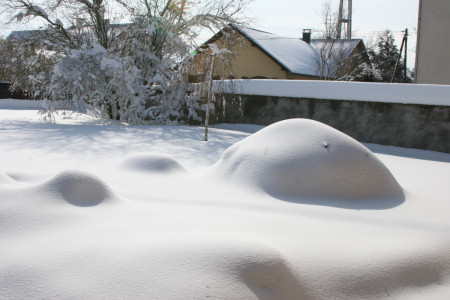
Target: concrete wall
{"x": 404, "y": 125}
{"x": 433, "y": 42}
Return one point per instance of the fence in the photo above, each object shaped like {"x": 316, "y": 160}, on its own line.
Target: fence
{"x": 404, "y": 115}
{"x": 5, "y": 93}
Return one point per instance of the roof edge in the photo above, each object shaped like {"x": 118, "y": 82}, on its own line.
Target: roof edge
{"x": 249, "y": 38}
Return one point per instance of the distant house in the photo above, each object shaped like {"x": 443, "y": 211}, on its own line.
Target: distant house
{"x": 28, "y": 35}
{"x": 24, "y": 35}
{"x": 259, "y": 55}
{"x": 339, "y": 57}
{"x": 433, "y": 42}
{"x": 4, "y": 90}
{"x": 6, "y": 93}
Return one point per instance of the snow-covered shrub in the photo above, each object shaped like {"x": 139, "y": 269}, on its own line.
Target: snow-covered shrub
{"x": 135, "y": 80}
{"x": 365, "y": 72}
{"x": 78, "y": 80}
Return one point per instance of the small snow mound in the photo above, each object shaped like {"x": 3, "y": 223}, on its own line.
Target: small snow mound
{"x": 151, "y": 162}
{"x": 79, "y": 188}
{"x": 5, "y": 179}
{"x": 303, "y": 158}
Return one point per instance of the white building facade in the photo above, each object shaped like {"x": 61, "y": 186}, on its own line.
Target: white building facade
{"x": 433, "y": 42}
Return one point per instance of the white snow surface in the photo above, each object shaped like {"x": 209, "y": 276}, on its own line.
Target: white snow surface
{"x": 426, "y": 94}
{"x": 91, "y": 209}
{"x": 19, "y": 104}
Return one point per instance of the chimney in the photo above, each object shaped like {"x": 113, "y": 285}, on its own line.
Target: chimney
{"x": 307, "y": 35}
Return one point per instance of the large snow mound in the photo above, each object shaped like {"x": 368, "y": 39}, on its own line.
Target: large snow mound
{"x": 303, "y": 158}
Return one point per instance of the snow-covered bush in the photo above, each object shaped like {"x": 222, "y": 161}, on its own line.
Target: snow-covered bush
{"x": 157, "y": 58}
{"x": 365, "y": 72}
{"x": 129, "y": 72}
{"x": 132, "y": 81}
{"x": 78, "y": 80}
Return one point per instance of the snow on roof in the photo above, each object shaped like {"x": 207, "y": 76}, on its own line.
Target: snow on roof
{"x": 342, "y": 47}
{"x": 293, "y": 54}
{"x": 21, "y": 35}
{"x": 24, "y": 34}
{"x": 348, "y": 44}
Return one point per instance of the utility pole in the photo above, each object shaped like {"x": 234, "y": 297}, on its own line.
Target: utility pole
{"x": 345, "y": 19}
{"x": 404, "y": 44}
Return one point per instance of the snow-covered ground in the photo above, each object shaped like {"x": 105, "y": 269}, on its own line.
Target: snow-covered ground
{"x": 91, "y": 209}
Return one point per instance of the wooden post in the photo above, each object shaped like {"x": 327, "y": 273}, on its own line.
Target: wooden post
{"x": 210, "y": 95}
{"x": 406, "y": 53}
{"x": 405, "y": 38}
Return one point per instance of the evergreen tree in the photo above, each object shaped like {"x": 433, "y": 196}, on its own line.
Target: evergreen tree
{"x": 379, "y": 66}
{"x": 386, "y": 59}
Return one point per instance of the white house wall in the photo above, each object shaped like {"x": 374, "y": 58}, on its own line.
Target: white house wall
{"x": 433, "y": 43}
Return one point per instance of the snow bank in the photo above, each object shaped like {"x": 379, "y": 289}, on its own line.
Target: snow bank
{"x": 426, "y": 94}
{"x": 301, "y": 158}
{"x": 78, "y": 221}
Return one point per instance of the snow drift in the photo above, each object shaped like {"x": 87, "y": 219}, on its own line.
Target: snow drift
{"x": 84, "y": 214}
{"x": 5, "y": 179}
{"x": 301, "y": 158}
{"x": 78, "y": 188}
{"x": 151, "y": 162}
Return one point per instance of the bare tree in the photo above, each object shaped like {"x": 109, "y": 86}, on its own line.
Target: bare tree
{"x": 335, "y": 56}
{"x": 67, "y": 23}
{"x": 185, "y": 18}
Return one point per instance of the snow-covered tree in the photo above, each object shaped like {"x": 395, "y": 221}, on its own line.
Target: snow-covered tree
{"x": 127, "y": 82}
{"x": 386, "y": 58}
{"x": 130, "y": 74}
{"x": 365, "y": 72}
{"x": 379, "y": 65}
{"x": 155, "y": 62}
{"x": 4, "y": 60}
{"x": 36, "y": 54}
{"x": 62, "y": 18}
{"x": 26, "y": 65}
